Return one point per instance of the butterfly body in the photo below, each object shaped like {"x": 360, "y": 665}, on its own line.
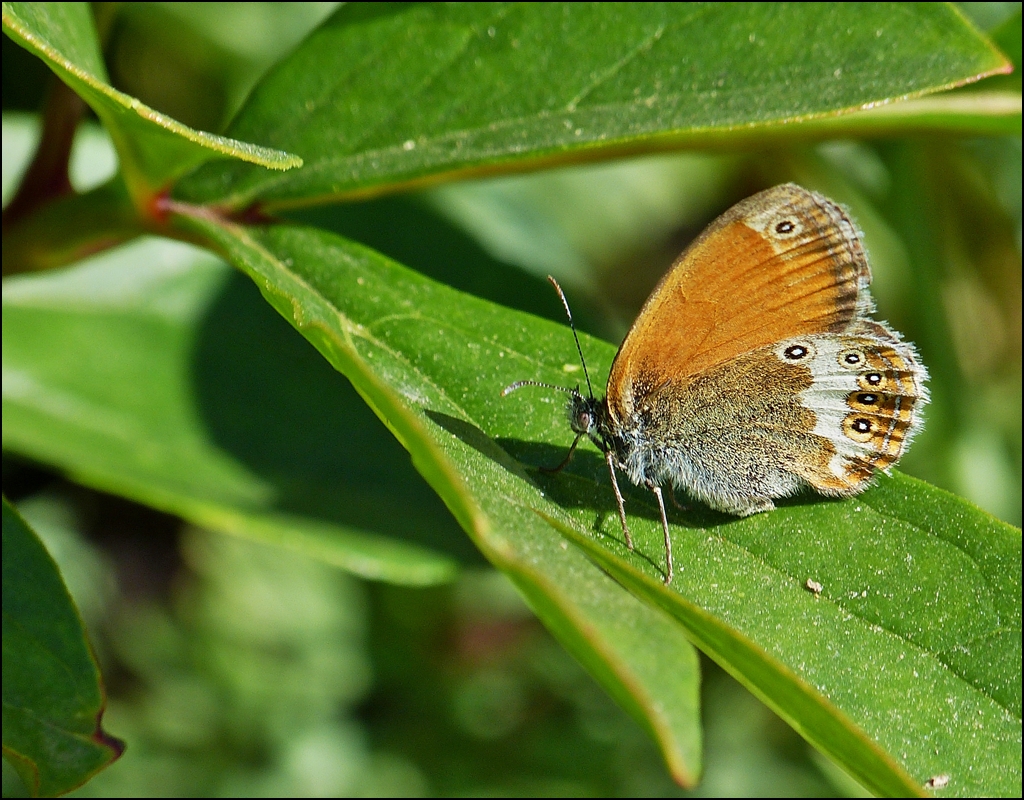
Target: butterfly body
{"x": 754, "y": 369}
{"x": 713, "y": 437}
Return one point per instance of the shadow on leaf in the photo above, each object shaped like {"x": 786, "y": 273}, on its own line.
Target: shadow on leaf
{"x": 274, "y": 403}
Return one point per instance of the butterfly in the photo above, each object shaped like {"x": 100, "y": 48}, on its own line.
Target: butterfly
{"x": 755, "y": 369}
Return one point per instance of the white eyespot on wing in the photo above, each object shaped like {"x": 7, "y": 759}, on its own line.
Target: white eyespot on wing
{"x": 796, "y": 351}
{"x": 780, "y": 223}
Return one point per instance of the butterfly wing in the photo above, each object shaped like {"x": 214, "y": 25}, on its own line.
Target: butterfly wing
{"x": 783, "y": 263}
{"x": 867, "y": 395}
{"x": 827, "y": 410}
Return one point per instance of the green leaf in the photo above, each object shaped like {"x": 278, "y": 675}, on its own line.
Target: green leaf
{"x": 905, "y": 667}
{"x": 53, "y": 695}
{"x": 382, "y": 97}
{"x": 155, "y": 372}
{"x": 174, "y": 384}
{"x": 154, "y": 150}
{"x": 633, "y": 650}
{"x": 914, "y": 639}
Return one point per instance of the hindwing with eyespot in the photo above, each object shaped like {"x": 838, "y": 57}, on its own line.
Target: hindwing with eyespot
{"x": 866, "y": 395}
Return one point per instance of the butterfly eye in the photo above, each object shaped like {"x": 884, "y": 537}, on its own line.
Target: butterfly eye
{"x": 873, "y": 378}
{"x": 866, "y": 399}
{"x": 796, "y": 352}
{"x": 784, "y": 227}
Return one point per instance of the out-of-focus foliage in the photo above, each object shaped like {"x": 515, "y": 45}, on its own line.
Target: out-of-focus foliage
{"x": 237, "y": 667}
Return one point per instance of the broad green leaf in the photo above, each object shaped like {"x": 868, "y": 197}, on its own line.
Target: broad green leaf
{"x": 914, "y": 639}
{"x": 154, "y": 150}
{"x": 905, "y": 667}
{"x": 381, "y": 97}
{"x": 152, "y": 372}
{"x": 53, "y": 695}
{"x": 157, "y": 376}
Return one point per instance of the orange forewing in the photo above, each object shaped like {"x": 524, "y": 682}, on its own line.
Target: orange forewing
{"x": 738, "y": 288}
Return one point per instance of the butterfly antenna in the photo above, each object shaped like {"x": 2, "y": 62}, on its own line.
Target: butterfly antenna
{"x": 568, "y": 313}
{"x": 520, "y": 384}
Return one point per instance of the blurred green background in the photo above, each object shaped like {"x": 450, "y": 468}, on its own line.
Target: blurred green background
{"x": 367, "y": 689}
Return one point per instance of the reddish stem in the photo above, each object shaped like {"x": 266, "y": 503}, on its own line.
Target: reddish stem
{"x": 46, "y": 178}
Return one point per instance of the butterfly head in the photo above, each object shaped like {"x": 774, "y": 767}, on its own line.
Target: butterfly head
{"x": 585, "y": 414}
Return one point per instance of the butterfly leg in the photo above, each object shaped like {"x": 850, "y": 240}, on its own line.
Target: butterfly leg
{"x": 664, "y": 527}
{"x": 610, "y": 460}
{"x": 565, "y": 461}
{"x": 676, "y": 503}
